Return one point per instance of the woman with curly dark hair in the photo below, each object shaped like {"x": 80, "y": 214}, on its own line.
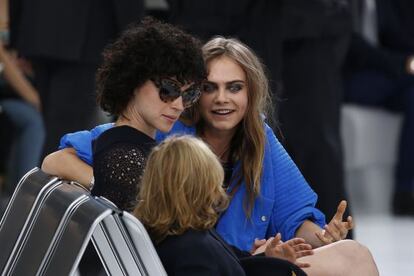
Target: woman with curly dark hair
{"x": 149, "y": 75}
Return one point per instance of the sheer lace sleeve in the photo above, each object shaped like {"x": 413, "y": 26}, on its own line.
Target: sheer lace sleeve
{"x": 118, "y": 172}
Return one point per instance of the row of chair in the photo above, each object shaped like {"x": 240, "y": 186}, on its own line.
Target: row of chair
{"x": 49, "y": 222}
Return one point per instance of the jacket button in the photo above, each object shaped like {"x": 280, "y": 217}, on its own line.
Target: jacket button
{"x": 263, "y": 218}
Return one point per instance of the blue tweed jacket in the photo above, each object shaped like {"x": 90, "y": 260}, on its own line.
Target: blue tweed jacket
{"x": 285, "y": 200}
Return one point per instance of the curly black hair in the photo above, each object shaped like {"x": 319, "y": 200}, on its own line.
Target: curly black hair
{"x": 148, "y": 50}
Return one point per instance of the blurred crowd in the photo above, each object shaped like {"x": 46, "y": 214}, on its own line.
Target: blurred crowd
{"x": 318, "y": 53}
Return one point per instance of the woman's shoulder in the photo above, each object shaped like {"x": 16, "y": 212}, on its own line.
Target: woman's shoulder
{"x": 187, "y": 239}
{"x": 123, "y": 135}
{"x": 192, "y": 243}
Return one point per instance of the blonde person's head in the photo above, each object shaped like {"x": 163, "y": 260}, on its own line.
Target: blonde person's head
{"x": 249, "y": 141}
{"x": 181, "y": 188}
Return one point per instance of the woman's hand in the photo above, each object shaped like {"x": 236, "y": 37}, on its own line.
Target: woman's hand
{"x": 290, "y": 250}
{"x": 337, "y": 229}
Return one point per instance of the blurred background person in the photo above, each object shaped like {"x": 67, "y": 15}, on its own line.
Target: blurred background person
{"x": 380, "y": 72}
{"x": 64, "y": 41}
{"x": 316, "y": 35}
{"x": 20, "y": 104}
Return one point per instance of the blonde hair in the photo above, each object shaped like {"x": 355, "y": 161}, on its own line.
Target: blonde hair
{"x": 248, "y": 144}
{"x": 181, "y": 188}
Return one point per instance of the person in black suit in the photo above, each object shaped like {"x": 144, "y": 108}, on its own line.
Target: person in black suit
{"x": 380, "y": 72}
{"x": 64, "y": 40}
{"x": 316, "y": 34}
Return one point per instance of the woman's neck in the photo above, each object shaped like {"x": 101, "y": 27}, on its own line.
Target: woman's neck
{"x": 219, "y": 141}
{"x": 138, "y": 124}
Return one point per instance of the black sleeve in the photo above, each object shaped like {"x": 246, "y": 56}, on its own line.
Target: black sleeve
{"x": 240, "y": 253}
{"x": 197, "y": 259}
{"x": 270, "y": 266}
{"x": 118, "y": 172}
{"x": 364, "y": 56}
{"x": 395, "y": 25}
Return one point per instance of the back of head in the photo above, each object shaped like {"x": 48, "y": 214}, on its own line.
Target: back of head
{"x": 181, "y": 188}
{"x": 144, "y": 51}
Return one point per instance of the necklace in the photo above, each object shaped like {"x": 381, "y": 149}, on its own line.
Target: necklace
{"x": 222, "y": 154}
{"x": 216, "y": 145}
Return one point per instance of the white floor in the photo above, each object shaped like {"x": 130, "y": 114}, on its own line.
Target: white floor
{"x": 391, "y": 241}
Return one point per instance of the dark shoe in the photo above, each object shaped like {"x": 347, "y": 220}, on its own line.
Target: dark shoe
{"x": 403, "y": 204}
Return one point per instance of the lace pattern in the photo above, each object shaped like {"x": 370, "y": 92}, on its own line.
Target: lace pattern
{"x": 118, "y": 172}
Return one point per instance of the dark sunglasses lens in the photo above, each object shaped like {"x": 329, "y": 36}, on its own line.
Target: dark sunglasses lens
{"x": 168, "y": 92}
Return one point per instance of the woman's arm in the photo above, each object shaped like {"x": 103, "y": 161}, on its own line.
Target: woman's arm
{"x": 17, "y": 80}
{"x": 67, "y": 165}
{"x": 336, "y": 230}
{"x": 294, "y": 200}
{"x": 307, "y": 231}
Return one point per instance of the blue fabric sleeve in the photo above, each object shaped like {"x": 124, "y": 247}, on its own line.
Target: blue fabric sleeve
{"x": 294, "y": 199}
{"x": 81, "y": 141}
{"x": 179, "y": 128}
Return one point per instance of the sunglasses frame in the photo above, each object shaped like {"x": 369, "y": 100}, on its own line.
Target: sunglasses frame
{"x": 189, "y": 96}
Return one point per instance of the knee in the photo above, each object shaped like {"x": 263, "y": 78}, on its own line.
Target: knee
{"x": 358, "y": 255}
{"x": 353, "y": 248}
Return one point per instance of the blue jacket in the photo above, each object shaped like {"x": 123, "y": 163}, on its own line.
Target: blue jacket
{"x": 285, "y": 200}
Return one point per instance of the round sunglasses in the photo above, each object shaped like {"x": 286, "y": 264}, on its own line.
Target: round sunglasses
{"x": 169, "y": 90}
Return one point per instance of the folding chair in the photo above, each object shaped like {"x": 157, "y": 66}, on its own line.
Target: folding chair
{"x": 67, "y": 250}
{"x": 142, "y": 243}
{"x": 48, "y": 224}
{"x": 132, "y": 250}
{"x": 25, "y": 203}
{"x": 43, "y": 214}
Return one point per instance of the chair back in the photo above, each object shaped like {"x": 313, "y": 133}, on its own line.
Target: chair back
{"x": 49, "y": 222}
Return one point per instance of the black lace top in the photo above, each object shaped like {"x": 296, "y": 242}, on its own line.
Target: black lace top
{"x": 120, "y": 154}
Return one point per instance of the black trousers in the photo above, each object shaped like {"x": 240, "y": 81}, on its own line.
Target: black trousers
{"x": 67, "y": 91}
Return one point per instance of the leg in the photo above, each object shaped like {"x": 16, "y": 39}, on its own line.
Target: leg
{"x": 28, "y": 146}
{"x": 346, "y": 257}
